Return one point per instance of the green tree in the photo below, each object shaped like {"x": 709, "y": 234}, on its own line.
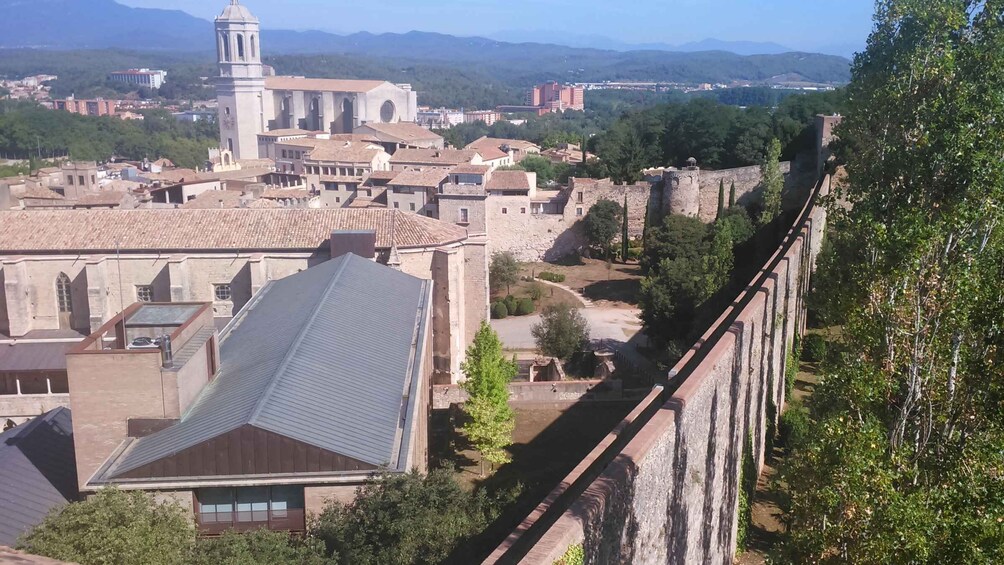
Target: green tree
{"x": 772, "y": 183}
{"x": 624, "y": 231}
{"x": 259, "y": 547}
{"x": 602, "y": 223}
{"x": 732, "y": 195}
{"x": 492, "y": 420}
{"x": 543, "y": 166}
{"x": 904, "y": 462}
{"x": 404, "y": 518}
{"x": 562, "y": 331}
{"x": 114, "y": 527}
{"x": 503, "y": 270}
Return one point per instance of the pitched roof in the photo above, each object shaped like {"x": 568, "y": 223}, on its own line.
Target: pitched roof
{"x": 442, "y": 157}
{"x": 508, "y": 180}
{"x": 327, "y": 357}
{"x": 214, "y": 199}
{"x": 103, "y": 198}
{"x": 38, "y": 472}
{"x": 428, "y": 178}
{"x": 335, "y": 149}
{"x": 488, "y": 143}
{"x": 472, "y": 169}
{"x": 321, "y": 84}
{"x": 402, "y": 132}
{"x": 66, "y": 231}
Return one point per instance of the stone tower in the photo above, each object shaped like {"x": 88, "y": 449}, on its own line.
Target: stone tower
{"x": 682, "y": 191}
{"x": 241, "y": 85}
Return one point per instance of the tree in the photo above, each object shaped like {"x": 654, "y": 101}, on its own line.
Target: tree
{"x": 114, "y": 527}
{"x": 602, "y": 222}
{"x": 259, "y": 547}
{"x": 721, "y": 198}
{"x": 904, "y": 463}
{"x": 732, "y": 195}
{"x": 403, "y": 518}
{"x": 503, "y": 270}
{"x": 624, "y": 232}
{"x": 543, "y": 166}
{"x": 773, "y": 183}
{"x": 488, "y": 374}
{"x": 562, "y": 331}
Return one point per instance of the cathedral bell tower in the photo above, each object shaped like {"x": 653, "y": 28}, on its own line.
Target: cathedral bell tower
{"x": 241, "y": 85}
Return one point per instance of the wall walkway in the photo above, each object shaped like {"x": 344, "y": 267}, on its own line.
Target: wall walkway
{"x": 663, "y": 486}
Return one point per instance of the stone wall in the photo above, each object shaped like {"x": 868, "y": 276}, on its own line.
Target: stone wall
{"x": 443, "y": 396}
{"x": 663, "y": 487}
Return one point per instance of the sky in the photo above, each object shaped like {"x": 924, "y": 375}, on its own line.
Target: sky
{"x": 810, "y": 25}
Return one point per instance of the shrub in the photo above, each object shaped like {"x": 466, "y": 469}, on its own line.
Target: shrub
{"x": 511, "y": 304}
{"x": 794, "y": 424}
{"x": 814, "y": 348}
{"x": 790, "y": 373}
{"x": 551, "y": 277}
{"x": 525, "y": 307}
{"x": 576, "y": 555}
{"x": 536, "y": 292}
{"x": 562, "y": 331}
{"x": 634, "y": 253}
{"x": 499, "y": 311}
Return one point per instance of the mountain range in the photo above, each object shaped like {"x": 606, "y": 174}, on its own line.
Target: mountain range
{"x": 106, "y": 24}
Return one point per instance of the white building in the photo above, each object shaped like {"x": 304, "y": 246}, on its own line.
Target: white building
{"x": 251, "y": 103}
{"x": 140, "y": 77}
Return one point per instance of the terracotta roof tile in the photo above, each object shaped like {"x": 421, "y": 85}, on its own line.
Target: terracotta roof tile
{"x": 508, "y": 180}
{"x": 62, "y": 231}
{"x": 428, "y": 178}
{"x": 402, "y": 131}
{"x": 441, "y": 157}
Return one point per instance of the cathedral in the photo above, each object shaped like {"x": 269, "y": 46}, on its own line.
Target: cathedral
{"x": 252, "y": 102}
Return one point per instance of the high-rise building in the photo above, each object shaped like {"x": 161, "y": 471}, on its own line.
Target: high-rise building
{"x": 553, "y": 97}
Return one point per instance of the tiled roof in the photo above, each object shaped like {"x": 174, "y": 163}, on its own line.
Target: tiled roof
{"x": 384, "y": 175}
{"x": 336, "y": 150}
{"x": 321, "y": 84}
{"x": 284, "y": 132}
{"x": 284, "y": 193}
{"x": 36, "y": 192}
{"x": 442, "y": 157}
{"x": 508, "y": 180}
{"x": 63, "y": 231}
{"x": 402, "y": 131}
{"x": 428, "y": 178}
{"x": 104, "y": 198}
{"x": 214, "y": 200}
{"x": 496, "y": 142}
{"x": 262, "y": 204}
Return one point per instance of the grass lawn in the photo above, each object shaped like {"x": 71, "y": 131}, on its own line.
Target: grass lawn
{"x": 548, "y": 444}
{"x": 617, "y": 286}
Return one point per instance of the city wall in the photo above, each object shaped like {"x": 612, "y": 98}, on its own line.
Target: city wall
{"x": 663, "y": 486}
{"x": 443, "y": 396}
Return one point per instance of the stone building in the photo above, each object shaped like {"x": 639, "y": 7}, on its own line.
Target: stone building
{"x": 72, "y": 271}
{"x": 321, "y": 381}
{"x": 251, "y": 103}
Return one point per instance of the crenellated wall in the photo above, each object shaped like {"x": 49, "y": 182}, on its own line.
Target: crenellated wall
{"x": 663, "y": 486}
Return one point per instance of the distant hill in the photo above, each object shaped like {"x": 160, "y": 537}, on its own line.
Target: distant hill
{"x": 602, "y": 42}
{"x": 105, "y": 24}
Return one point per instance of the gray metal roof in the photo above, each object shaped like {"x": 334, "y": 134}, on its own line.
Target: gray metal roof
{"x": 325, "y": 357}
{"x": 25, "y": 357}
{"x": 37, "y": 472}
{"x": 163, "y": 314}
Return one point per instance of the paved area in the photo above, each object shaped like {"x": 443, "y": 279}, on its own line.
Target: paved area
{"x": 611, "y": 328}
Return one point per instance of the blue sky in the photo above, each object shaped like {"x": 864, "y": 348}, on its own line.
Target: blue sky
{"x": 801, "y": 24}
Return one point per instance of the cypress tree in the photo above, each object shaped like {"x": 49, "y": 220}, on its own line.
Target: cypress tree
{"x": 721, "y": 198}
{"x": 732, "y": 195}
{"x": 624, "y": 233}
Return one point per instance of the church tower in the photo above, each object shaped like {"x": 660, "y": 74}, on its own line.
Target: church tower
{"x": 241, "y": 85}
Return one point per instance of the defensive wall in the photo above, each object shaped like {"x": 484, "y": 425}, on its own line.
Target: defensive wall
{"x": 663, "y": 486}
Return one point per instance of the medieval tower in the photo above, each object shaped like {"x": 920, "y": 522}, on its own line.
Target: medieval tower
{"x": 241, "y": 85}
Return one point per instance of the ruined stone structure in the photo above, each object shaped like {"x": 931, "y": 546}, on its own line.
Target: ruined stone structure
{"x": 693, "y": 192}
{"x": 663, "y": 486}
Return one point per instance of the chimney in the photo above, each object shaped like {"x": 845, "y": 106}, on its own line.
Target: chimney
{"x": 166, "y": 352}
{"x": 360, "y": 242}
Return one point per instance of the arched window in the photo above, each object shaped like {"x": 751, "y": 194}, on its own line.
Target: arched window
{"x": 64, "y": 296}
{"x": 240, "y": 47}
{"x": 226, "y": 47}
{"x": 254, "y": 47}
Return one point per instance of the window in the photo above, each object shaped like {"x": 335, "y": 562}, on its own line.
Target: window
{"x": 226, "y": 110}
{"x": 284, "y": 154}
{"x": 522, "y": 210}
{"x": 69, "y": 180}
{"x": 64, "y": 296}
{"x": 505, "y": 210}
{"x": 578, "y": 211}
{"x": 397, "y": 205}
{"x": 240, "y": 47}
{"x": 412, "y": 206}
{"x": 338, "y": 199}
{"x": 80, "y": 180}
{"x": 222, "y": 292}
{"x": 464, "y": 216}
{"x": 247, "y": 508}
{"x": 92, "y": 179}
{"x": 579, "y": 197}
{"x": 230, "y": 143}
{"x": 144, "y": 293}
